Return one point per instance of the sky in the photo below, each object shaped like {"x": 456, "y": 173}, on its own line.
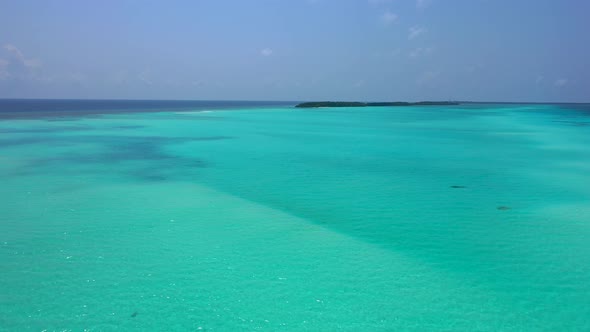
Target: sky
{"x": 365, "y": 50}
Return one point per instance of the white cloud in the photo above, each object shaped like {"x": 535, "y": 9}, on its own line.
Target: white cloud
{"x": 420, "y": 51}
{"x": 416, "y": 31}
{"x": 560, "y": 82}
{"x": 18, "y": 55}
{"x": 266, "y": 52}
{"x": 539, "y": 79}
{"x": 16, "y": 66}
{"x": 14, "y": 50}
{"x": 388, "y": 17}
{"x": 32, "y": 63}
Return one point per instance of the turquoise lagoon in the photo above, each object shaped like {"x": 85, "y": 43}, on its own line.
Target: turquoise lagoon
{"x": 457, "y": 218}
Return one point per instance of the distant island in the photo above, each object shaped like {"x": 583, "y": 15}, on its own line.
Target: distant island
{"x": 315, "y": 104}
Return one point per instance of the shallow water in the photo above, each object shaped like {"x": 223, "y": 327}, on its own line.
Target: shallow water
{"x": 462, "y": 218}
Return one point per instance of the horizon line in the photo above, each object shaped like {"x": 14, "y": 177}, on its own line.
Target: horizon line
{"x": 298, "y": 101}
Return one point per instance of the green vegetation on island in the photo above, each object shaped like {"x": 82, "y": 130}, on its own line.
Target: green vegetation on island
{"x": 315, "y": 104}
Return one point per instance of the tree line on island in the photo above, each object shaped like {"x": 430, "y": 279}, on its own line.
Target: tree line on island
{"x": 315, "y": 104}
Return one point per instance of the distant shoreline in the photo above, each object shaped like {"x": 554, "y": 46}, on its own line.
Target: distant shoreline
{"x": 316, "y": 104}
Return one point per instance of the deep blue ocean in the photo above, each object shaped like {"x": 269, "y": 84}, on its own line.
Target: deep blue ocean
{"x": 19, "y": 108}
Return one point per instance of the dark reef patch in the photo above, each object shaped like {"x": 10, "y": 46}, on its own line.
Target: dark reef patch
{"x": 62, "y": 119}
{"x": 11, "y": 142}
{"x": 42, "y": 130}
{"x": 139, "y": 157}
{"x": 574, "y": 123}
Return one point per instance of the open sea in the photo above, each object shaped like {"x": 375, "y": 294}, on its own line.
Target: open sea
{"x": 246, "y": 216}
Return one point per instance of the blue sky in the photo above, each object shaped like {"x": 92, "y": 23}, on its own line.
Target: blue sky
{"x": 372, "y": 50}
